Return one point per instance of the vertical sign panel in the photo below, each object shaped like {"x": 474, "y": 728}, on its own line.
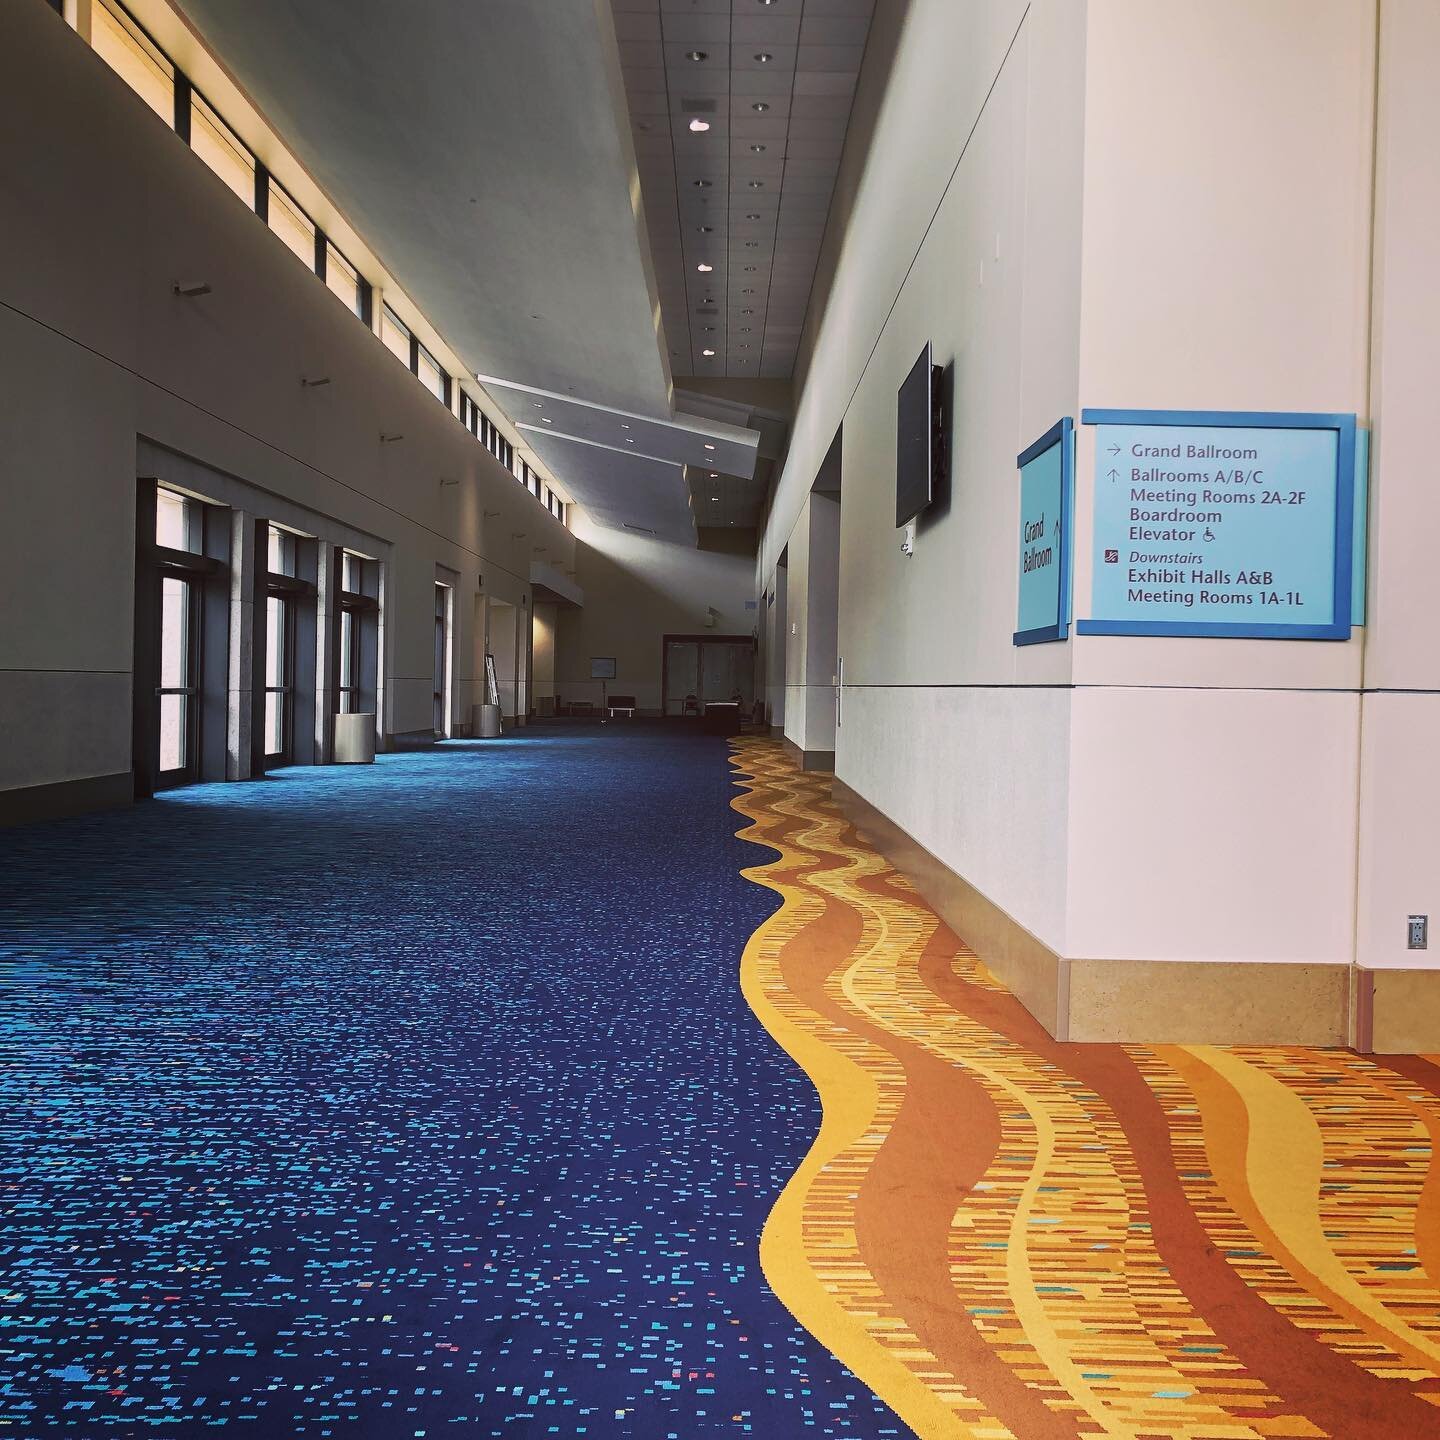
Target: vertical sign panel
{"x": 1231, "y": 525}
{"x": 1047, "y": 470}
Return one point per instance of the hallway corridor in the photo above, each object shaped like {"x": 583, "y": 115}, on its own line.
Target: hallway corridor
{"x": 401, "y": 1101}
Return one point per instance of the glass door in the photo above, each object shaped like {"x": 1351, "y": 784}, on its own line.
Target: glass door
{"x": 682, "y": 677}
{"x": 441, "y": 718}
{"x": 279, "y": 680}
{"x": 177, "y": 695}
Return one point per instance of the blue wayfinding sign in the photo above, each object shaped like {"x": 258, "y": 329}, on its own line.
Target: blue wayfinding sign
{"x": 1223, "y": 524}
{"x": 1047, "y": 478}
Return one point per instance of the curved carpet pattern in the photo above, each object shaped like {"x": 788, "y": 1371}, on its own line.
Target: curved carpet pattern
{"x": 1010, "y": 1238}
{"x": 401, "y": 1101}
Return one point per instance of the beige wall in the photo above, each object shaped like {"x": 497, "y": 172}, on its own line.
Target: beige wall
{"x": 542, "y": 652}
{"x": 1118, "y": 203}
{"x": 638, "y": 590}
{"x": 1225, "y": 267}
{"x": 1400, "y": 719}
{"x": 965, "y": 232}
{"x": 101, "y": 219}
{"x": 812, "y": 619}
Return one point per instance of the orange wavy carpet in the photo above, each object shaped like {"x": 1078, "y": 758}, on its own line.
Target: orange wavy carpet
{"x": 1005, "y": 1236}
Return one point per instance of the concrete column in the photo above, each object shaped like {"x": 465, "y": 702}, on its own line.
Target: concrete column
{"x": 327, "y": 657}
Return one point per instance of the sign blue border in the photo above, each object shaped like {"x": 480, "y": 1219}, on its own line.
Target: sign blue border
{"x": 1061, "y": 433}
{"x": 1344, "y": 426}
{"x": 1360, "y": 569}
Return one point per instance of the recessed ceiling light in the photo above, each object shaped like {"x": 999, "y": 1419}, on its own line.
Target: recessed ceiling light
{"x": 744, "y": 329}
{"x": 699, "y": 126}
{"x": 624, "y": 427}
{"x": 546, "y": 420}
{"x": 714, "y": 474}
{"x": 704, "y": 229}
{"x": 754, "y": 215}
{"x": 701, "y": 184}
{"x": 715, "y": 498}
{"x": 629, "y": 442}
{"x": 703, "y": 268}
{"x": 757, "y": 184}
{"x": 764, "y": 57}
{"x": 761, "y": 105}
{"x": 707, "y": 353}
{"x": 747, "y": 312}
{"x": 744, "y": 346}
{"x": 696, "y": 55}
{"x": 537, "y": 404}
{"x": 757, "y": 149}
{"x": 752, "y": 244}
{"x": 708, "y": 446}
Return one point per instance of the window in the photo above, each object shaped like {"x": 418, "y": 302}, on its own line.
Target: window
{"x": 358, "y": 635}
{"x": 279, "y": 677}
{"x": 179, "y": 522}
{"x": 282, "y": 552}
{"x": 349, "y": 662}
{"x": 396, "y": 335}
{"x": 292, "y": 224}
{"x": 221, "y": 149}
{"x": 177, "y": 676}
{"x": 135, "y": 58}
{"x": 442, "y": 661}
{"x": 344, "y": 280}
{"x": 431, "y": 376}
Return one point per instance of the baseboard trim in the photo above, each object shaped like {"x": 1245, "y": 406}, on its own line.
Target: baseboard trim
{"x": 1110, "y": 1001}
{"x": 63, "y": 798}
{"x": 1034, "y": 973}
{"x": 410, "y": 740}
{"x": 1397, "y": 1012}
{"x": 821, "y": 760}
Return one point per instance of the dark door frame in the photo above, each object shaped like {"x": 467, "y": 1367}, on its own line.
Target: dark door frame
{"x": 708, "y": 637}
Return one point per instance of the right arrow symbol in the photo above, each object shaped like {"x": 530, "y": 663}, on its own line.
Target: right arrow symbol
{"x": 1114, "y": 449}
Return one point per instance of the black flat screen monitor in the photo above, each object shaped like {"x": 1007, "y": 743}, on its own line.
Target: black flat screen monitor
{"x": 915, "y": 441}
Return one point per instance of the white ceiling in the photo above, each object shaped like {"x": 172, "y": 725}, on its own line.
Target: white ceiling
{"x": 480, "y": 148}
{"x": 485, "y": 152}
{"x": 750, "y": 196}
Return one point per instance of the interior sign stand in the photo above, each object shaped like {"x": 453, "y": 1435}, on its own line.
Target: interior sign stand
{"x": 1225, "y": 524}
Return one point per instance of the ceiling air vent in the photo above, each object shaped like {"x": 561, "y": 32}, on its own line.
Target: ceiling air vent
{"x": 697, "y": 107}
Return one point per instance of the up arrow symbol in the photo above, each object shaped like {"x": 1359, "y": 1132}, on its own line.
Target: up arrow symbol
{"x": 1114, "y": 473}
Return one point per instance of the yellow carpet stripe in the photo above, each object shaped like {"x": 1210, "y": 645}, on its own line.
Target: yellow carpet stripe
{"x": 849, "y": 1099}
{"x": 1284, "y": 1161}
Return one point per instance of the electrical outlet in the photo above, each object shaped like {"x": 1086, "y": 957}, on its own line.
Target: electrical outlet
{"x": 1418, "y": 933}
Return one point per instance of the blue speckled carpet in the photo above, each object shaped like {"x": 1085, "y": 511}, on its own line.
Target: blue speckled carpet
{"x": 401, "y": 1101}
